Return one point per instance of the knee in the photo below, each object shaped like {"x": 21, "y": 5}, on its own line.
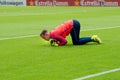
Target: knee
{"x": 75, "y": 43}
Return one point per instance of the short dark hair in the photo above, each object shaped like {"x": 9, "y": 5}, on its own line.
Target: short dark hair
{"x": 43, "y": 32}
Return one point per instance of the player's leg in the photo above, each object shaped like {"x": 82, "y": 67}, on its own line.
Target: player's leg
{"x": 85, "y": 40}
{"x": 75, "y": 35}
{"x": 75, "y": 32}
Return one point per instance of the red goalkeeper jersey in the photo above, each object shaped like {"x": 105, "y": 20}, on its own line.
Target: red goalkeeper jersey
{"x": 61, "y": 31}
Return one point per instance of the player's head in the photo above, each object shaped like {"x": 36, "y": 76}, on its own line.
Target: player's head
{"x": 45, "y": 35}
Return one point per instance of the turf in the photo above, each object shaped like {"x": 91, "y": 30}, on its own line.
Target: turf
{"x": 34, "y": 59}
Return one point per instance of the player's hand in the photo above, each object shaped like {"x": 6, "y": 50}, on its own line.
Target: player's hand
{"x": 53, "y": 43}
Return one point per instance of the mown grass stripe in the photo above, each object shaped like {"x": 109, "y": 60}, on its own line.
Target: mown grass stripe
{"x": 38, "y": 35}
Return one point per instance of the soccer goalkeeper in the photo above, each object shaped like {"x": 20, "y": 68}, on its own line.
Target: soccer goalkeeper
{"x": 72, "y": 27}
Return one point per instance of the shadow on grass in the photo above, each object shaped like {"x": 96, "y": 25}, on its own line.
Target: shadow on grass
{"x": 71, "y": 45}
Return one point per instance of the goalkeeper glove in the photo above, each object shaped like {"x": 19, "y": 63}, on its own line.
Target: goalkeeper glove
{"x": 53, "y": 43}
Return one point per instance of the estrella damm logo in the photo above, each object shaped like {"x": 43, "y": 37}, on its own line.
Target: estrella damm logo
{"x": 77, "y": 2}
{"x": 31, "y": 2}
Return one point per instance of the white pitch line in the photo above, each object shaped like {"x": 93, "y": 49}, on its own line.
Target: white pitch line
{"x": 97, "y": 74}
{"x": 18, "y": 37}
{"x": 101, "y": 28}
{"x": 38, "y": 35}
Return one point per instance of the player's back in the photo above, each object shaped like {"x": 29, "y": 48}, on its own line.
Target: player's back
{"x": 63, "y": 29}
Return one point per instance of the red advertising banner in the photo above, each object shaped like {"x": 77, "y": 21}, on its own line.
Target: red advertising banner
{"x": 73, "y": 2}
{"x": 53, "y": 2}
{"x": 100, "y": 2}
{"x": 30, "y": 2}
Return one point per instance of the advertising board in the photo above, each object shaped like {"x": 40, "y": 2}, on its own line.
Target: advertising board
{"x": 100, "y": 2}
{"x": 12, "y": 2}
{"x": 53, "y": 2}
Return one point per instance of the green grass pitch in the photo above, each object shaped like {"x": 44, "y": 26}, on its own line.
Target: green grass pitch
{"x": 32, "y": 58}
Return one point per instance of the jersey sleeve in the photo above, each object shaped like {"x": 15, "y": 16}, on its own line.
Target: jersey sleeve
{"x": 61, "y": 40}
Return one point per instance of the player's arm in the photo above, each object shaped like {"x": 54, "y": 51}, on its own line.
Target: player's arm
{"x": 60, "y": 40}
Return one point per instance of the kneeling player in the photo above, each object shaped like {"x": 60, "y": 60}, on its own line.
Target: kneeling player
{"x": 71, "y": 27}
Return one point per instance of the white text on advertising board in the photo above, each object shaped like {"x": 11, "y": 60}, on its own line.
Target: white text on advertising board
{"x": 98, "y": 3}
{"x": 50, "y": 3}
